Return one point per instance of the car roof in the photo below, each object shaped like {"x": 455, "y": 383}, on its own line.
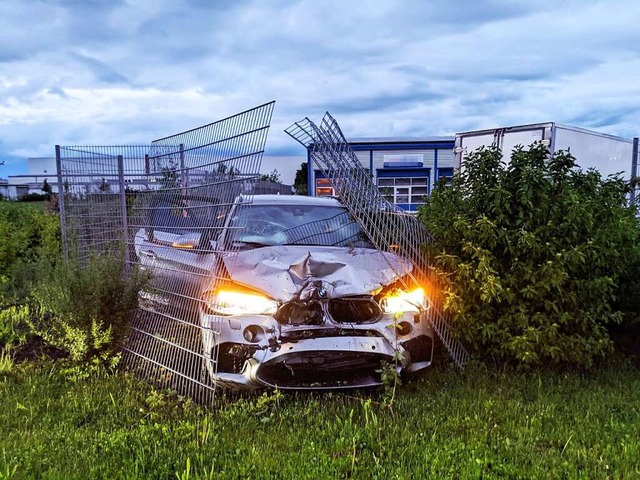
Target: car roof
{"x": 295, "y": 200}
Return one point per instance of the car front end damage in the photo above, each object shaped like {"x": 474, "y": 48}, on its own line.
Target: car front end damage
{"x": 325, "y": 319}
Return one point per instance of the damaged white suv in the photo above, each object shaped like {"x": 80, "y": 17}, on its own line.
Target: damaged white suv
{"x": 308, "y": 303}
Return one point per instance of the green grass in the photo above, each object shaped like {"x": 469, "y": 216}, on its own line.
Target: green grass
{"x": 473, "y": 425}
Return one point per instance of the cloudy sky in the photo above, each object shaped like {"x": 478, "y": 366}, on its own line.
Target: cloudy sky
{"x": 129, "y": 71}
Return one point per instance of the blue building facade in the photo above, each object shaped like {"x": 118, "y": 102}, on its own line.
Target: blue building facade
{"x": 405, "y": 170}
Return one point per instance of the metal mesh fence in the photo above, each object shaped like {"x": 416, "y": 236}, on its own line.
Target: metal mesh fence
{"x": 167, "y": 204}
{"x": 95, "y": 181}
{"x": 389, "y": 227}
{"x": 182, "y": 208}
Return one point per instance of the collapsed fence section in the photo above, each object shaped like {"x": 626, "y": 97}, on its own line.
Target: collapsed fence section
{"x": 388, "y": 226}
{"x": 163, "y": 207}
{"x": 209, "y": 172}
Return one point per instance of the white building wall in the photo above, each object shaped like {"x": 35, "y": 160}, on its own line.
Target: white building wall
{"x": 428, "y": 160}
{"x": 606, "y": 153}
{"x": 19, "y": 185}
{"x": 609, "y": 155}
{"x": 445, "y": 158}
{"x": 41, "y": 165}
{"x": 364, "y": 157}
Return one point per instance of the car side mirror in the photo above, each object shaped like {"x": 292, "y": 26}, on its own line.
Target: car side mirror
{"x": 189, "y": 241}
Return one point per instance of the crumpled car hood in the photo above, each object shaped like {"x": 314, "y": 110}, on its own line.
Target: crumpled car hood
{"x": 285, "y": 272}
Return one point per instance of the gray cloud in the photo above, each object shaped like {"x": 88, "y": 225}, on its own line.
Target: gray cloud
{"x": 75, "y": 71}
{"x": 101, "y": 71}
{"x": 57, "y": 91}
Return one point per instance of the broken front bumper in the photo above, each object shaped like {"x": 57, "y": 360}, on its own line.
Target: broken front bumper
{"x": 257, "y": 351}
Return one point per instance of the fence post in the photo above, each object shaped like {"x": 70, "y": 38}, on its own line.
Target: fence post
{"x": 63, "y": 226}
{"x": 184, "y": 173}
{"x": 123, "y": 207}
{"x": 634, "y": 170}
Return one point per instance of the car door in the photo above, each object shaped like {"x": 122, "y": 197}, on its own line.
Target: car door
{"x": 177, "y": 250}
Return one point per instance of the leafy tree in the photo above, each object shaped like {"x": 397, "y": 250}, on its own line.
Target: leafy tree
{"x": 230, "y": 170}
{"x": 46, "y": 188}
{"x": 168, "y": 177}
{"x": 273, "y": 177}
{"x": 104, "y": 186}
{"x": 300, "y": 180}
{"x": 531, "y": 255}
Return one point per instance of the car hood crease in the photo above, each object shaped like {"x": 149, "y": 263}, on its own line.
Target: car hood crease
{"x": 285, "y": 272}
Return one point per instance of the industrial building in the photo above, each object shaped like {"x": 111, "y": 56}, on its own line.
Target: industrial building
{"x": 608, "y": 154}
{"x": 404, "y": 169}
{"x": 44, "y": 168}
{"x": 39, "y": 169}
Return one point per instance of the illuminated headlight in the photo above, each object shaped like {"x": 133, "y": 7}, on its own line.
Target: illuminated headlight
{"x": 236, "y": 302}
{"x": 401, "y": 301}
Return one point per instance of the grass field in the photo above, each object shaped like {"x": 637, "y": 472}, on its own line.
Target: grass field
{"x": 447, "y": 424}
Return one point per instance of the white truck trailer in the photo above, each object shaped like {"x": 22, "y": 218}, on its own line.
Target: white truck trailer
{"x": 606, "y": 153}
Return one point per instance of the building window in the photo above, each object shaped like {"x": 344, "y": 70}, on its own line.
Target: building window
{"x": 446, "y": 174}
{"x": 324, "y": 188}
{"x": 404, "y": 190}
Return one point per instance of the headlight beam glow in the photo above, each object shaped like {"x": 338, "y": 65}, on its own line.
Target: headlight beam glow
{"x": 234, "y": 302}
{"x": 402, "y": 301}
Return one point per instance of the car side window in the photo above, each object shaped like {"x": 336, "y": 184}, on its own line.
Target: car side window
{"x": 173, "y": 219}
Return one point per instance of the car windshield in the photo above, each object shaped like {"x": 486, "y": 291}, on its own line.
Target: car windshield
{"x": 256, "y": 226}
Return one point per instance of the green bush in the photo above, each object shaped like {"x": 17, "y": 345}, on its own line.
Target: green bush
{"x": 33, "y": 197}
{"x": 30, "y": 242}
{"x": 85, "y": 310}
{"x": 531, "y": 255}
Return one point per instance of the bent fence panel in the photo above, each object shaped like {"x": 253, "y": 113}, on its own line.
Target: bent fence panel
{"x": 389, "y": 227}
{"x": 162, "y": 208}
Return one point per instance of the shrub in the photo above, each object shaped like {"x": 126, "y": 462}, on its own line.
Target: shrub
{"x": 531, "y": 255}
{"x": 85, "y": 310}
{"x": 33, "y": 197}
{"x": 30, "y": 241}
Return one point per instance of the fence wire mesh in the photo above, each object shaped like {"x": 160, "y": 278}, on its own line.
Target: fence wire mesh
{"x": 166, "y": 203}
{"x": 389, "y": 227}
{"x": 174, "y": 207}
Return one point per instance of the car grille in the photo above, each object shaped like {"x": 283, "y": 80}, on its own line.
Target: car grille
{"x": 354, "y": 310}
{"x": 323, "y": 370}
{"x": 298, "y": 313}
